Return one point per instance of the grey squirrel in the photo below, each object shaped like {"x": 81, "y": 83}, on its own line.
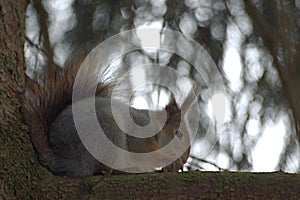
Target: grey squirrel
{"x": 47, "y": 110}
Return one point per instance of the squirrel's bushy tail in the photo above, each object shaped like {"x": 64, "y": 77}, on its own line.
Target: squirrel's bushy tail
{"x": 43, "y": 102}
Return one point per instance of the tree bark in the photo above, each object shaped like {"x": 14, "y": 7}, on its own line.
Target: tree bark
{"x": 22, "y": 177}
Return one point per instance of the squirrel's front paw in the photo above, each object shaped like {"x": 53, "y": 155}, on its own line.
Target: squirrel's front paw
{"x": 174, "y": 167}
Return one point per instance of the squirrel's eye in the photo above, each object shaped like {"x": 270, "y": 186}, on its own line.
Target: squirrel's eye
{"x": 179, "y": 134}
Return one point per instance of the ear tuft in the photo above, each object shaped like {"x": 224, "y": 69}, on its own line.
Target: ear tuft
{"x": 173, "y": 109}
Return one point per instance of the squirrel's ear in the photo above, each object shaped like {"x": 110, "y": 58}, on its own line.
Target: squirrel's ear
{"x": 173, "y": 109}
{"x": 189, "y": 100}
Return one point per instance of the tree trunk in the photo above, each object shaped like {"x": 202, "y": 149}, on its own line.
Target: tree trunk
{"x": 281, "y": 36}
{"x": 22, "y": 177}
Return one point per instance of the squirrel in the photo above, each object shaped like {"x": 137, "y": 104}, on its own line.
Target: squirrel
{"x": 47, "y": 110}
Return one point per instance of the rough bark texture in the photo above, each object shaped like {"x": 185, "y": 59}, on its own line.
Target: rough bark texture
{"x": 22, "y": 177}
